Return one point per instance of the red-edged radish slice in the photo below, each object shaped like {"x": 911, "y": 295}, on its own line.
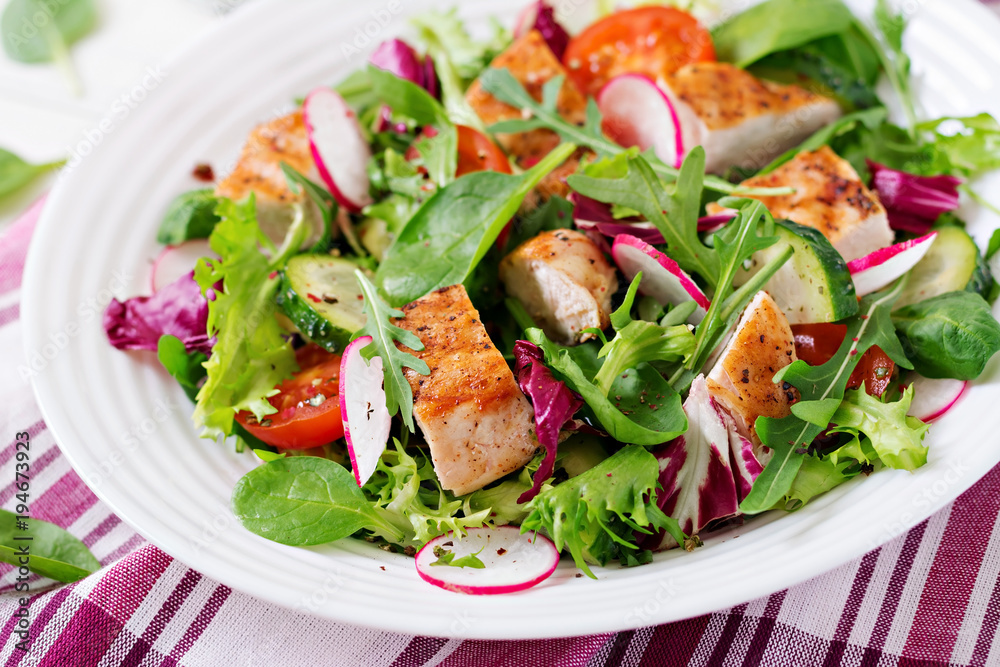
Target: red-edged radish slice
{"x": 873, "y": 272}
{"x": 637, "y": 112}
{"x": 362, "y": 407}
{"x": 176, "y": 260}
{"x": 338, "y": 147}
{"x": 933, "y": 398}
{"x": 662, "y": 278}
{"x": 513, "y": 561}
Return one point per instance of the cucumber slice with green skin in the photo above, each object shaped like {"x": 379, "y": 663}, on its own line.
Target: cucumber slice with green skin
{"x": 814, "y": 285}
{"x": 320, "y": 294}
{"x": 953, "y": 264}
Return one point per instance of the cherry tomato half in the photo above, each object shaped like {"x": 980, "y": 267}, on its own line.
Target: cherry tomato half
{"x": 816, "y": 344}
{"x": 307, "y": 404}
{"x": 654, "y": 41}
{"x": 476, "y": 152}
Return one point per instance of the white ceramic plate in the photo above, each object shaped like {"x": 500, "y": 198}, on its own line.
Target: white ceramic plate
{"x": 125, "y": 425}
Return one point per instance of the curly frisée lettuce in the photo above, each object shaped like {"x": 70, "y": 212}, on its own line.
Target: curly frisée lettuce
{"x": 251, "y": 355}
{"x": 895, "y": 437}
{"x": 408, "y": 495}
{"x": 594, "y": 514}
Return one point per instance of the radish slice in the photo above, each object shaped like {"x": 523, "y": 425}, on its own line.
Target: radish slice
{"x": 176, "y": 260}
{"x": 362, "y": 407}
{"x": 873, "y": 272}
{"x": 338, "y": 147}
{"x": 637, "y": 112}
{"x": 662, "y": 278}
{"x": 513, "y": 561}
{"x": 933, "y": 398}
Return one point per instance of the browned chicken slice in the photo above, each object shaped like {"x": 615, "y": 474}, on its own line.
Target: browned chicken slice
{"x": 532, "y": 63}
{"x": 564, "y": 281}
{"x": 258, "y": 171}
{"x": 742, "y": 381}
{"x": 739, "y": 119}
{"x": 478, "y": 424}
{"x": 829, "y": 197}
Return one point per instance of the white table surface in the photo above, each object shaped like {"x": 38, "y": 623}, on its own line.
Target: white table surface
{"x": 41, "y": 120}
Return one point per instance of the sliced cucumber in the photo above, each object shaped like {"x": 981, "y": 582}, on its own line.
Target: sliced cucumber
{"x": 320, "y": 294}
{"x": 815, "y": 285}
{"x": 952, "y": 264}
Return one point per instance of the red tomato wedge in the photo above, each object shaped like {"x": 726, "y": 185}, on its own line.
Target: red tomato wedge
{"x": 816, "y": 344}
{"x": 307, "y": 404}
{"x": 655, "y": 41}
{"x": 476, "y": 152}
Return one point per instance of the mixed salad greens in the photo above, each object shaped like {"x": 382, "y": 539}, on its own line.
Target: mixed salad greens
{"x": 649, "y": 307}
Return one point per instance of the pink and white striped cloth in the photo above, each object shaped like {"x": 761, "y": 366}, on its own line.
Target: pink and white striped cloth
{"x": 930, "y": 597}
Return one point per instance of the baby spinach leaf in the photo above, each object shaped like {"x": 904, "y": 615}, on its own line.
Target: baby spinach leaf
{"x": 778, "y": 25}
{"x": 15, "y": 173}
{"x": 64, "y": 22}
{"x": 444, "y": 241}
{"x": 52, "y": 552}
{"x": 187, "y": 369}
{"x": 191, "y": 215}
{"x": 674, "y": 213}
{"x": 823, "y": 387}
{"x": 304, "y": 500}
{"x": 385, "y": 335}
{"x": 649, "y": 422}
{"x": 952, "y": 335}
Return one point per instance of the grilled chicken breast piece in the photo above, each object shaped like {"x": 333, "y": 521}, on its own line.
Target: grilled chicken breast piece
{"x": 477, "y": 423}
{"x": 564, "y": 281}
{"x": 742, "y": 381}
{"x": 829, "y": 197}
{"x": 258, "y": 171}
{"x": 739, "y": 119}
{"x": 532, "y": 63}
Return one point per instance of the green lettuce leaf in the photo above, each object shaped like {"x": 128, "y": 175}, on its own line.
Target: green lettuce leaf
{"x": 895, "y": 437}
{"x": 251, "y": 355}
{"x": 594, "y": 514}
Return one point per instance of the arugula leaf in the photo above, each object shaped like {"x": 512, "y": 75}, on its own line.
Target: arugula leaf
{"x": 440, "y": 153}
{"x": 953, "y": 335}
{"x": 251, "y": 355}
{"x": 675, "y": 214}
{"x": 778, "y": 25}
{"x": 385, "y": 335}
{"x": 27, "y": 38}
{"x": 895, "y": 437}
{"x": 594, "y": 514}
{"x": 410, "y": 497}
{"x": 305, "y": 500}
{"x": 822, "y": 390}
{"x": 15, "y": 173}
{"x": 895, "y": 62}
{"x": 453, "y": 230}
{"x": 649, "y": 422}
{"x": 501, "y": 84}
{"x": 187, "y": 369}
{"x": 191, "y": 215}
{"x": 53, "y": 552}
{"x": 446, "y": 557}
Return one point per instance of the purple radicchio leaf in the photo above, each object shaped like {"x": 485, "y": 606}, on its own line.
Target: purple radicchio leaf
{"x": 554, "y": 34}
{"x": 178, "y": 309}
{"x": 398, "y": 57}
{"x": 745, "y": 463}
{"x": 554, "y": 404}
{"x": 913, "y": 202}
{"x": 699, "y": 487}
